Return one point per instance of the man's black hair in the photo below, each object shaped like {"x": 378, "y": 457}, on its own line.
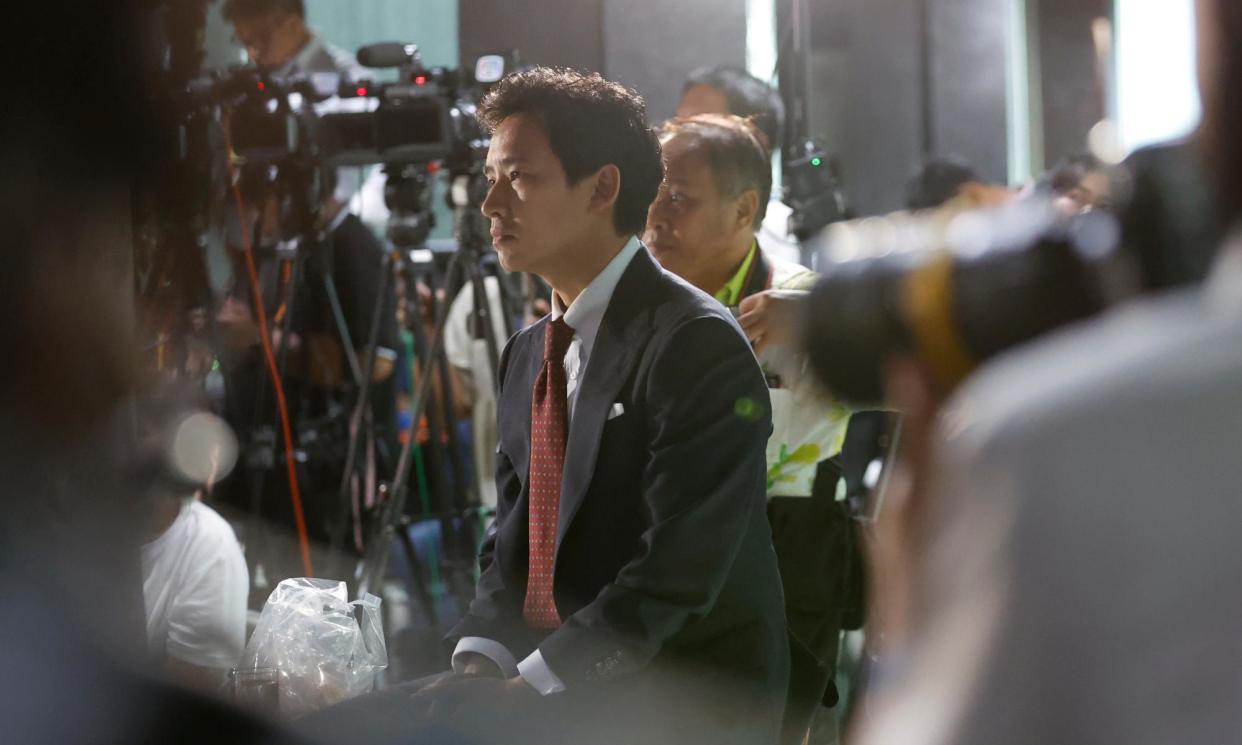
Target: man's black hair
{"x": 938, "y": 181}
{"x": 747, "y": 96}
{"x": 234, "y": 10}
{"x": 590, "y": 123}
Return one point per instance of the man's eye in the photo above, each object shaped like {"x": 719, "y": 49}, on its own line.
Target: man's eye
{"x": 513, "y": 176}
{"x": 491, "y": 181}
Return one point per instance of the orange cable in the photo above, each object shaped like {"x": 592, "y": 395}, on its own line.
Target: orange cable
{"x": 295, "y": 494}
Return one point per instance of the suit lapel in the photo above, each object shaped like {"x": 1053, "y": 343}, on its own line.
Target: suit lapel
{"x": 618, "y": 342}
{"x": 518, "y": 392}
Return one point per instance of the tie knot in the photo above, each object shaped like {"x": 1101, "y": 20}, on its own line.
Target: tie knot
{"x": 557, "y": 339}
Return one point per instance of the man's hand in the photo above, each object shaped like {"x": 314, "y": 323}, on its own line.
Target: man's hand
{"x": 893, "y": 544}
{"x": 476, "y": 665}
{"x": 771, "y": 318}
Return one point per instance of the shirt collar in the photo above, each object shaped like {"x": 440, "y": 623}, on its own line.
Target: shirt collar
{"x": 586, "y": 312}
{"x": 731, "y": 293}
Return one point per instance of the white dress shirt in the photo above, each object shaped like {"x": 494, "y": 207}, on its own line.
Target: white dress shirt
{"x": 584, "y": 316}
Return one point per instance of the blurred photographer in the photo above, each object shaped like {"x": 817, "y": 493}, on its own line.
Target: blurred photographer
{"x": 72, "y": 639}
{"x": 1071, "y": 517}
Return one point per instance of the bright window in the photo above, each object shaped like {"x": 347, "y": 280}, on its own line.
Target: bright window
{"x": 1157, "y": 93}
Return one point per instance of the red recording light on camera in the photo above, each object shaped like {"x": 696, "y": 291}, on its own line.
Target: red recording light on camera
{"x": 420, "y": 80}
{"x": 362, "y": 91}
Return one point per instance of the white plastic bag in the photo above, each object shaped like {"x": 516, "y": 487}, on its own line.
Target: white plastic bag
{"x": 321, "y": 654}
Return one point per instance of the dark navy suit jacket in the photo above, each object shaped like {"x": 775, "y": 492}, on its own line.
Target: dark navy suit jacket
{"x": 665, "y": 575}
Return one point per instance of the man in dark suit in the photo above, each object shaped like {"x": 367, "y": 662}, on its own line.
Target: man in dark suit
{"x": 629, "y": 590}
{"x": 629, "y": 577}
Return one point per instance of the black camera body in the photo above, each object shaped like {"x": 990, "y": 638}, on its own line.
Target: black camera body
{"x": 425, "y": 115}
{"x": 414, "y": 119}
{"x": 984, "y": 282}
{"x": 812, "y": 189}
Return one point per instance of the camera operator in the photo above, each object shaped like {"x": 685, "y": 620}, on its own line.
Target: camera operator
{"x": 278, "y": 41}
{"x": 1074, "y": 537}
{"x": 276, "y": 38}
{"x": 702, "y": 227}
{"x": 732, "y": 90}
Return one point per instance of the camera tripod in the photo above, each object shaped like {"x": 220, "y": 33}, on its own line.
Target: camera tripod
{"x": 304, "y": 252}
{"x": 466, "y": 268}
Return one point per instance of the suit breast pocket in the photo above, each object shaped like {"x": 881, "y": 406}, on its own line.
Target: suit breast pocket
{"x": 621, "y": 443}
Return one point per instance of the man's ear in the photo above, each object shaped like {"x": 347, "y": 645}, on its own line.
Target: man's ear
{"x": 747, "y": 208}
{"x": 607, "y": 187}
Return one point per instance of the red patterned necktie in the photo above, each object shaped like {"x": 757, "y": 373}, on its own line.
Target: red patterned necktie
{"x": 549, "y": 427}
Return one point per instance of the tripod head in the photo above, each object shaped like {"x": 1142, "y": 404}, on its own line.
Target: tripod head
{"x": 407, "y": 194}
{"x": 288, "y": 196}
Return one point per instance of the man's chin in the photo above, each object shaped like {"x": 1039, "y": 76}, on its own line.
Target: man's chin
{"x": 509, "y": 259}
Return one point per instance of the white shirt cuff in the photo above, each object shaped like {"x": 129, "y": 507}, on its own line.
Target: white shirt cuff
{"x": 489, "y": 648}
{"x": 537, "y": 673}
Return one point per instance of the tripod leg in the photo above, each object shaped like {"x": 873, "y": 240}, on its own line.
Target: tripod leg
{"x": 377, "y": 550}
{"x": 435, "y": 455}
{"x": 417, "y": 583}
{"x": 359, "y": 424}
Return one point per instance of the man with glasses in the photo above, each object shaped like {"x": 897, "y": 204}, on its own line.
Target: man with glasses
{"x": 276, "y": 38}
{"x": 278, "y": 41}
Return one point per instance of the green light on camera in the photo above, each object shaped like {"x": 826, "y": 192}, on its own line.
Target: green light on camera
{"x": 817, "y": 162}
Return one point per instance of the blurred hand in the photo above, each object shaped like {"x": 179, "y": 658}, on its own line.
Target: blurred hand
{"x": 894, "y": 550}
{"x": 771, "y": 318}
{"x": 480, "y": 666}
{"x": 236, "y": 323}
{"x": 424, "y": 297}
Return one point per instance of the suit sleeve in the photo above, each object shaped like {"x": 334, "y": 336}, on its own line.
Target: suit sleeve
{"x": 703, "y": 485}
{"x": 491, "y": 614}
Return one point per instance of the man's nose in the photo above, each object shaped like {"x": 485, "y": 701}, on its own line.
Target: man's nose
{"x": 494, "y": 203}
